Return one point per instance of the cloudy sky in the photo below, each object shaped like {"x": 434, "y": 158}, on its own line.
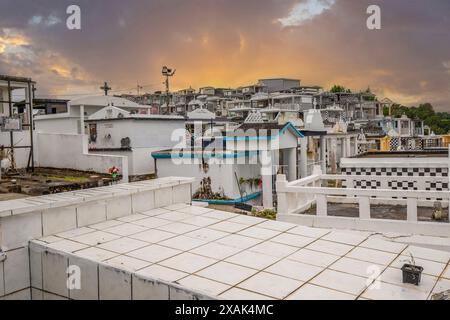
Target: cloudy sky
{"x": 230, "y": 43}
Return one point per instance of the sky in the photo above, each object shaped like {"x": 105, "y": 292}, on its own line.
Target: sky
{"x": 230, "y": 43}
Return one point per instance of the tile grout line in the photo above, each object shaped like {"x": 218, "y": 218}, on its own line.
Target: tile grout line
{"x": 440, "y": 277}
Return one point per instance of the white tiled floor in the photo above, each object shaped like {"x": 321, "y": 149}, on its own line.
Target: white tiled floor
{"x": 312, "y": 292}
{"x": 274, "y": 249}
{"x": 350, "y": 238}
{"x": 125, "y": 229}
{"x": 383, "y": 245}
{"x": 216, "y": 251}
{"x": 241, "y": 257}
{"x": 188, "y": 262}
{"x": 271, "y": 285}
{"x": 356, "y": 267}
{"x": 370, "y": 255}
{"x": 95, "y": 238}
{"x": 123, "y": 245}
{"x": 240, "y": 294}
{"x": 259, "y": 233}
{"x": 340, "y": 281}
{"x": 253, "y": 260}
{"x": 154, "y": 253}
{"x": 204, "y": 285}
{"x": 163, "y": 273}
{"x": 330, "y": 247}
{"x": 127, "y": 263}
{"x": 67, "y": 246}
{"x": 294, "y": 270}
{"x": 227, "y": 273}
{"x": 447, "y": 273}
{"x": 314, "y": 258}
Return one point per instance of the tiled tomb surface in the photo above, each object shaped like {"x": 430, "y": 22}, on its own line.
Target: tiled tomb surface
{"x": 188, "y": 252}
{"x": 144, "y": 241}
{"x": 33, "y": 218}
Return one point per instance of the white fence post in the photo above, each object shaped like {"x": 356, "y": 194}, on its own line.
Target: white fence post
{"x": 317, "y": 171}
{"x": 321, "y": 204}
{"x": 364, "y": 208}
{"x": 411, "y": 208}
{"x": 282, "y": 199}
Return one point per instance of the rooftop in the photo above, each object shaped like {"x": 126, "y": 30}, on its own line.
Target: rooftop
{"x": 177, "y": 250}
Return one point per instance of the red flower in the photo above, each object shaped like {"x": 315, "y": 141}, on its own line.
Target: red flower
{"x": 113, "y": 169}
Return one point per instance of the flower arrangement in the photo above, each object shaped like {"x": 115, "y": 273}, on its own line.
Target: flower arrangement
{"x": 114, "y": 172}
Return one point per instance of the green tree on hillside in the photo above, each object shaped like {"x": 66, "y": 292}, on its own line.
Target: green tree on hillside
{"x": 438, "y": 122}
{"x": 339, "y": 89}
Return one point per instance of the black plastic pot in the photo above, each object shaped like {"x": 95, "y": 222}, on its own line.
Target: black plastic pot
{"x": 243, "y": 206}
{"x": 412, "y": 274}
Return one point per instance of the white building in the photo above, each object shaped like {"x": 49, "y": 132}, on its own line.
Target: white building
{"x": 251, "y": 153}
{"x": 81, "y": 108}
{"x": 115, "y": 131}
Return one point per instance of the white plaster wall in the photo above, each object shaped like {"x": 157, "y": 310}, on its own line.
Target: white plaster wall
{"x": 143, "y": 133}
{"x": 88, "y": 110}
{"x": 57, "y": 124}
{"x": 140, "y": 161}
{"x": 428, "y": 162}
{"x": 66, "y": 151}
{"x": 222, "y": 175}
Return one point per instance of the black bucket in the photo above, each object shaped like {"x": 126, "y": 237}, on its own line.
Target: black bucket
{"x": 412, "y": 274}
{"x": 243, "y": 206}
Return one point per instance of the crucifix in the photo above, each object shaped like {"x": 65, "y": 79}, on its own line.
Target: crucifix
{"x": 106, "y": 88}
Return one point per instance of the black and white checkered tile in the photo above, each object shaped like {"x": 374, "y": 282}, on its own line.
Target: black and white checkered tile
{"x": 402, "y": 185}
{"x": 367, "y": 184}
{"x": 399, "y": 172}
{"x": 436, "y": 186}
{"x": 406, "y": 143}
{"x": 395, "y": 174}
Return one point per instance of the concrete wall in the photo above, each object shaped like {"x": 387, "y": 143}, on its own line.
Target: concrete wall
{"x": 57, "y": 124}
{"x": 222, "y": 175}
{"x": 397, "y": 162}
{"x": 140, "y": 161}
{"x": 33, "y": 218}
{"x": 398, "y": 167}
{"x": 66, "y": 151}
{"x": 142, "y": 133}
{"x": 99, "y": 282}
{"x": 20, "y": 139}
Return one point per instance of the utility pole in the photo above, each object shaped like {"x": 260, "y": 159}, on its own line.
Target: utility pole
{"x": 167, "y": 72}
{"x": 106, "y": 88}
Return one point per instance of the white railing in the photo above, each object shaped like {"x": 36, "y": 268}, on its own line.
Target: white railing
{"x": 294, "y": 198}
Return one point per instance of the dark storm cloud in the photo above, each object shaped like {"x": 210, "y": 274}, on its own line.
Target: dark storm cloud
{"x": 233, "y": 42}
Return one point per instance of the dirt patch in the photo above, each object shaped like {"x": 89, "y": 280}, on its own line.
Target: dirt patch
{"x": 377, "y": 212}
{"x": 48, "y": 181}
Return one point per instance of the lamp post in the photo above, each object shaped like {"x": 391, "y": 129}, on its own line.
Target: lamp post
{"x": 167, "y": 72}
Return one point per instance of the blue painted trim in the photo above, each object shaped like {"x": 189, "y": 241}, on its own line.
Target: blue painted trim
{"x": 231, "y": 202}
{"x": 189, "y": 155}
{"x": 205, "y": 155}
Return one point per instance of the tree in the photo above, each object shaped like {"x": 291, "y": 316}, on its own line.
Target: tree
{"x": 438, "y": 122}
{"x": 340, "y": 89}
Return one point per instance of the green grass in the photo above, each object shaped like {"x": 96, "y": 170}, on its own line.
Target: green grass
{"x": 69, "y": 179}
